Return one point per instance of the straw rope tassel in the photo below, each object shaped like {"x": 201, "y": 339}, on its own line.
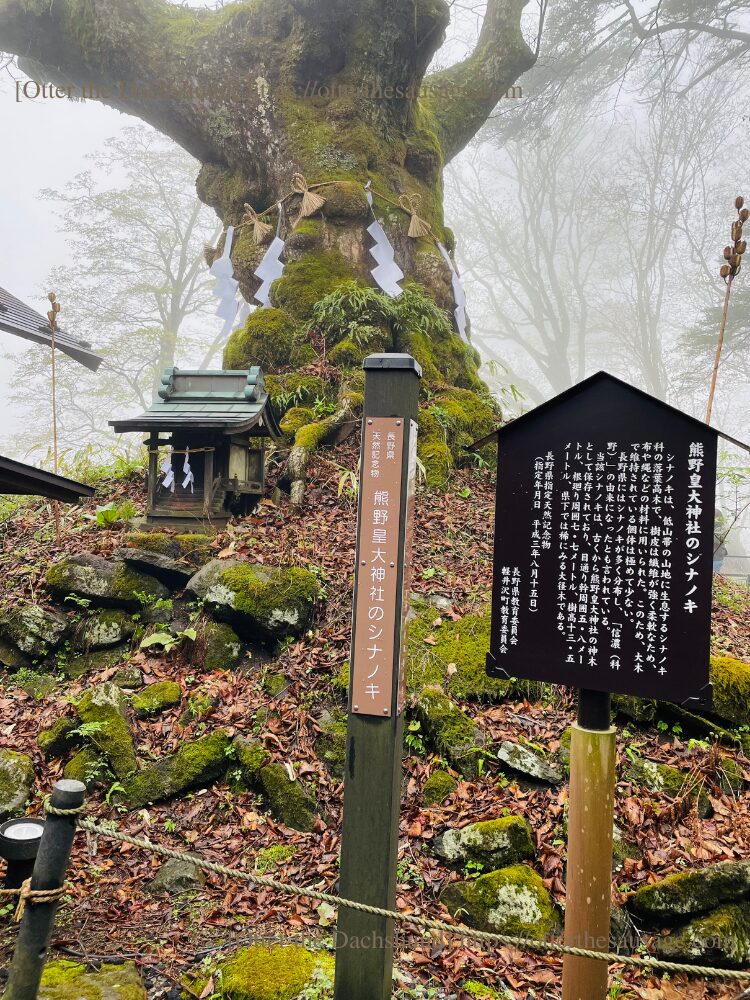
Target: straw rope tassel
{"x": 261, "y": 230}
{"x": 311, "y": 201}
{"x": 417, "y": 226}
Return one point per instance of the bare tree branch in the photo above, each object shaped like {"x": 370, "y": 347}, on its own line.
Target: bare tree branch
{"x": 463, "y": 96}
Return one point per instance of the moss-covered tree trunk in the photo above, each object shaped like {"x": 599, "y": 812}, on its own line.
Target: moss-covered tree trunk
{"x": 335, "y": 90}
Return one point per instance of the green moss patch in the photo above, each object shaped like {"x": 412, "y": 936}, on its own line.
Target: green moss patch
{"x": 156, "y": 698}
{"x": 220, "y": 647}
{"x": 55, "y": 740}
{"x": 438, "y": 787}
{"x": 270, "y": 338}
{"x": 102, "y": 711}
{"x": 16, "y": 782}
{"x": 306, "y": 281}
{"x": 510, "y": 901}
{"x": 271, "y": 857}
{"x": 62, "y": 980}
{"x": 720, "y": 938}
{"x": 454, "y": 658}
{"x": 260, "y": 602}
{"x": 450, "y": 730}
{"x": 195, "y": 764}
{"x": 667, "y": 780}
{"x": 494, "y": 843}
{"x": 289, "y": 802}
{"x": 731, "y": 689}
{"x": 687, "y": 894}
{"x": 271, "y": 973}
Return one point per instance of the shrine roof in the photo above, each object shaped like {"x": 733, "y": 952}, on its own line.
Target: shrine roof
{"x": 20, "y": 479}
{"x": 23, "y": 321}
{"x": 580, "y": 389}
{"x": 231, "y": 401}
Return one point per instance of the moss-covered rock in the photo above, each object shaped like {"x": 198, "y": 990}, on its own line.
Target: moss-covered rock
{"x": 330, "y": 744}
{"x": 11, "y": 658}
{"x": 103, "y": 629}
{"x": 100, "y": 659}
{"x": 274, "y": 683}
{"x": 719, "y": 938}
{"x": 260, "y": 602}
{"x": 32, "y": 629}
{"x": 129, "y": 678}
{"x": 668, "y": 780}
{"x": 731, "y": 689}
{"x": 450, "y": 730}
{"x": 272, "y": 973}
{"x": 156, "y": 698}
{"x": 87, "y": 766}
{"x": 55, "y": 740}
{"x": 509, "y": 901}
{"x": 251, "y": 757}
{"x": 494, "y": 843}
{"x": 642, "y": 710}
{"x": 730, "y": 776}
{"x": 455, "y": 656}
{"x": 289, "y": 802}
{"x": 438, "y": 787}
{"x": 271, "y": 338}
{"x": 220, "y": 647}
{"x": 37, "y": 685}
{"x": 527, "y": 763}
{"x": 63, "y": 980}
{"x": 102, "y": 711}
{"x": 108, "y": 584}
{"x": 194, "y": 547}
{"x": 194, "y": 765}
{"x": 689, "y": 893}
{"x": 177, "y": 875}
{"x": 16, "y": 782}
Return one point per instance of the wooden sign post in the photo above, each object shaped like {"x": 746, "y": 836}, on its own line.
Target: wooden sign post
{"x": 602, "y": 581}
{"x": 374, "y": 745}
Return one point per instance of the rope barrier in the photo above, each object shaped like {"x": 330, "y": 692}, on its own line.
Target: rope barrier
{"x": 521, "y": 943}
{"x": 25, "y": 894}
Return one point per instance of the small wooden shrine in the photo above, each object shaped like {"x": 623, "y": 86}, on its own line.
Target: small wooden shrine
{"x": 206, "y": 441}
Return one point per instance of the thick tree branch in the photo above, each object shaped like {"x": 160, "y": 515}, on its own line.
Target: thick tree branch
{"x": 137, "y": 56}
{"x": 463, "y": 96}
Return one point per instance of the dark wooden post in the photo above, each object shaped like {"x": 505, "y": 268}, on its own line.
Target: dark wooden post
{"x": 372, "y": 781}
{"x": 589, "y": 874}
{"x": 152, "y": 442}
{"x": 49, "y": 873}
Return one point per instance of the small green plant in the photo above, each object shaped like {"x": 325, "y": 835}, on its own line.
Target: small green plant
{"x": 169, "y": 825}
{"x": 114, "y": 513}
{"x": 473, "y": 869}
{"x": 88, "y": 729}
{"x": 81, "y": 602}
{"x": 167, "y": 641}
{"x": 114, "y": 789}
{"x": 413, "y": 738}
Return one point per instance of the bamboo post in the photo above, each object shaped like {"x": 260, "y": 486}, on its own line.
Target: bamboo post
{"x": 49, "y": 873}
{"x": 589, "y": 873}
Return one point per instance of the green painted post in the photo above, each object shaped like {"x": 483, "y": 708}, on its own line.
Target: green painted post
{"x": 49, "y": 873}
{"x": 374, "y": 746}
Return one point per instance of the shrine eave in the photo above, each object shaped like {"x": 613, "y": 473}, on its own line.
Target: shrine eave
{"x": 19, "y": 479}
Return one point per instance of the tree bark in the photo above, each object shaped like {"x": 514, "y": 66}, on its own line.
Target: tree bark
{"x": 256, "y": 91}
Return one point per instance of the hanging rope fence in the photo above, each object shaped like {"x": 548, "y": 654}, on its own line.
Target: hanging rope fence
{"x": 487, "y": 937}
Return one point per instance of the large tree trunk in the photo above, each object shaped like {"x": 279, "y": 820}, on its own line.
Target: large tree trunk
{"x": 330, "y": 88}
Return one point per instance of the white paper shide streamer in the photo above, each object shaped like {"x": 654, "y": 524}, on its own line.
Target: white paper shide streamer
{"x": 271, "y": 267}
{"x": 189, "y": 479}
{"x": 226, "y": 288}
{"x": 168, "y": 471}
{"x": 459, "y": 294}
{"x": 387, "y": 274}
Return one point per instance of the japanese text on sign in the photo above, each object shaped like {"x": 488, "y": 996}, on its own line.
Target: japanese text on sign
{"x": 377, "y": 567}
